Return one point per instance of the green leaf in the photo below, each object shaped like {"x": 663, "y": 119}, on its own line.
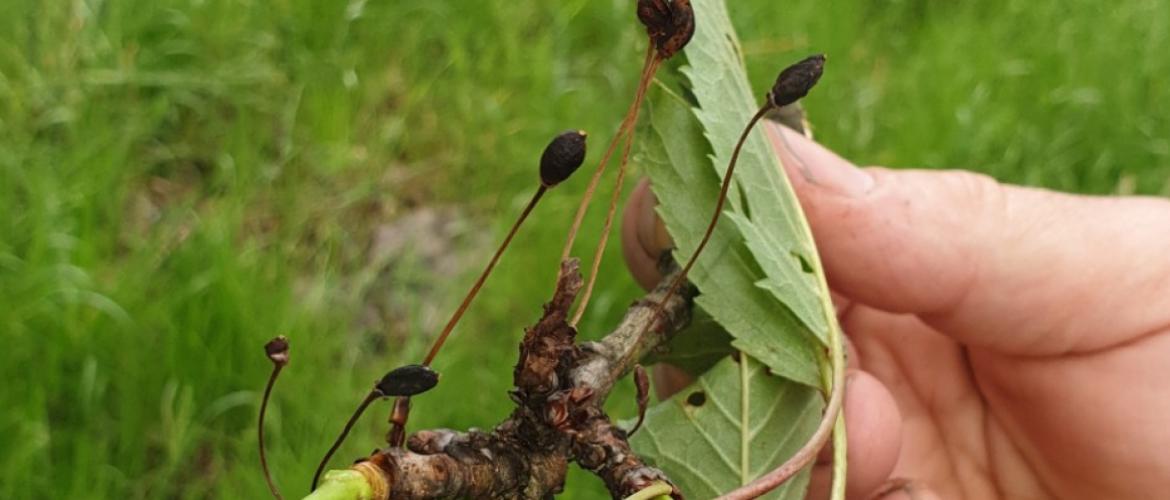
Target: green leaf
{"x": 759, "y": 278}
{"x": 733, "y": 425}
{"x": 676, "y": 155}
{"x": 765, "y": 209}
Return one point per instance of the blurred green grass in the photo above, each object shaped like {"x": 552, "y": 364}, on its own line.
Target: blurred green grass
{"x": 182, "y": 179}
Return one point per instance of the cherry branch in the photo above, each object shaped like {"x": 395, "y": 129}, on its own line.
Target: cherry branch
{"x": 560, "y": 387}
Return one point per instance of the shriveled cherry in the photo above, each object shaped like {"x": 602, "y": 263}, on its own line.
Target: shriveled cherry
{"x": 408, "y": 380}
{"x": 563, "y": 156}
{"x": 795, "y": 81}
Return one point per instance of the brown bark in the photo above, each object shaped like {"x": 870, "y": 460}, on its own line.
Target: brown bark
{"x": 560, "y": 387}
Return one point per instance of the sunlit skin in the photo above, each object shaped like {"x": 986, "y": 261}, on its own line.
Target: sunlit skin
{"x": 1006, "y": 342}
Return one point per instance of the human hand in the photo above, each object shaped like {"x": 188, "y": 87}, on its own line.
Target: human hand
{"x": 1005, "y": 342}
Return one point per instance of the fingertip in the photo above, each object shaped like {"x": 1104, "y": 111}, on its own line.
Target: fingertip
{"x": 669, "y": 379}
{"x": 852, "y": 356}
{"x": 651, "y": 229}
{"x": 642, "y": 265}
{"x": 990, "y": 265}
{"x": 841, "y": 303}
{"x": 814, "y": 169}
{"x": 874, "y": 439}
{"x": 890, "y": 239}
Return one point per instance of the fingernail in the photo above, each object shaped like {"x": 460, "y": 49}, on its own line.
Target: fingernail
{"x": 652, "y": 232}
{"x": 654, "y": 237}
{"x": 808, "y": 162}
{"x": 662, "y": 238}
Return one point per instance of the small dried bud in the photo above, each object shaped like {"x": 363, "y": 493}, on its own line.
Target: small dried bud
{"x": 642, "y": 384}
{"x": 669, "y": 23}
{"x": 655, "y": 15}
{"x": 796, "y": 80}
{"x": 557, "y": 412}
{"x": 277, "y": 350}
{"x": 408, "y": 380}
{"x": 562, "y": 157}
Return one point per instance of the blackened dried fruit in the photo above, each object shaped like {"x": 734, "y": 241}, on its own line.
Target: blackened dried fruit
{"x": 277, "y": 350}
{"x": 670, "y": 24}
{"x": 560, "y": 159}
{"x": 563, "y": 156}
{"x": 403, "y": 381}
{"x": 683, "y": 20}
{"x": 408, "y": 380}
{"x": 796, "y": 80}
{"x": 655, "y": 15}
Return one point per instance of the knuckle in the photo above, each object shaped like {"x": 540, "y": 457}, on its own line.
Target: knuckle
{"x": 980, "y": 190}
{"x": 982, "y": 201}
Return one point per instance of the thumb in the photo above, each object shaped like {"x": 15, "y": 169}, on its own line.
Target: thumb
{"x": 1014, "y": 269}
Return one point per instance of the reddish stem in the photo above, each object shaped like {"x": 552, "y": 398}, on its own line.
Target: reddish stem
{"x": 617, "y": 190}
{"x": 807, "y": 453}
{"x": 631, "y": 114}
{"x": 482, "y": 277}
{"x": 260, "y": 430}
{"x": 370, "y": 398}
{"x": 682, "y": 276}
